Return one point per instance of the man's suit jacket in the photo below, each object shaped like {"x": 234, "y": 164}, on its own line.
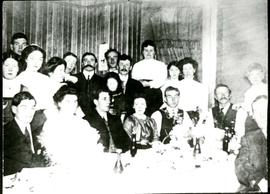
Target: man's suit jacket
{"x": 228, "y": 120}
{"x": 119, "y": 135}
{"x": 86, "y": 89}
{"x": 17, "y": 151}
{"x": 251, "y": 161}
{"x": 132, "y": 87}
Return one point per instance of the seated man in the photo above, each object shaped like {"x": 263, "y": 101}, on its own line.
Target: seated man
{"x": 170, "y": 116}
{"x": 109, "y": 127}
{"x": 20, "y": 143}
{"x": 251, "y": 161}
{"x": 223, "y": 113}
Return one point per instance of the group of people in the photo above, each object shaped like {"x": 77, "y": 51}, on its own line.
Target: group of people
{"x": 48, "y": 108}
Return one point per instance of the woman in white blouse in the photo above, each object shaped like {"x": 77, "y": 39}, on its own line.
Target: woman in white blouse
{"x": 194, "y": 95}
{"x": 36, "y": 83}
{"x": 174, "y": 76}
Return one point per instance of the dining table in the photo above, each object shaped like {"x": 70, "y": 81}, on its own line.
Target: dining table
{"x": 160, "y": 169}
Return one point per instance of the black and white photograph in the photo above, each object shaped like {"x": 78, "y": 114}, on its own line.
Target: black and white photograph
{"x": 134, "y": 96}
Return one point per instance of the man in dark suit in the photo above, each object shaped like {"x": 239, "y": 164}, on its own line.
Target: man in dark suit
{"x": 223, "y": 113}
{"x": 130, "y": 86}
{"x": 20, "y": 143}
{"x": 88, "y": 82}
{"x": 251, "y": 162}
{"x": 110, "y": 128}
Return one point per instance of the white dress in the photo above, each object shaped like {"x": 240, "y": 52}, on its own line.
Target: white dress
{"x": 70, "y": 141}
{"x": 38, "y": 85}
{"x": 193, "y": 94}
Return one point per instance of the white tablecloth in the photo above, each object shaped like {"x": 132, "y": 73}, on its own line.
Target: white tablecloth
{"x": 148, "y": 172}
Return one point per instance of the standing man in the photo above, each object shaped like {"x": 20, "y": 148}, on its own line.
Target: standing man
{"x": 152, "y": 74}
{"x": 130, "y": 86}
{"x": 111, "y": 131}
{"x": 111, "y": 57}
{"x": 88, "y": 82}
{"x": 20, "y": 142}
{"x": 18, "y": 42}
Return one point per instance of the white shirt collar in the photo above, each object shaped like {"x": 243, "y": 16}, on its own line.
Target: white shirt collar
{"x": 225, "y": 109}
{"x": 22, "y": 127}
{"x": 88, "y": 73}
{"x": 102, "y": 114}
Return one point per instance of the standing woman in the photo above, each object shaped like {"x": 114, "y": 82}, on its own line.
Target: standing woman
{"x": 174, "y": 76}
{"x": 36, "y": 83}
{"x": 143, "y": 126}
{"x": 152, "y": 75}
{"x": 194, "y": 95}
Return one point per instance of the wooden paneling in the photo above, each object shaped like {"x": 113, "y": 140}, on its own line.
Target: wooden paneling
{"x": 61, "y": 26}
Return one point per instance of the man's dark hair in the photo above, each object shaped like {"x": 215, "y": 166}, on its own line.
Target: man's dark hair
{"x": 170, "y": 88}
{"x": 222, "y": 85}
{"x": 70, "y": 54}
{"x": 124, "y": 57}
{"x": 111, "y": 50}
{"x": 147, "y": 43}
{"x": 88, "y": 53}
{"x": 63, "y": 91}
{"x": 17, "y": 36}
{"x": 20, "y": 97}
{"x": 98, "y": 91}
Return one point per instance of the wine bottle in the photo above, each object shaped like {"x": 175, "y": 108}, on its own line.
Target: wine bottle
{"x": 133, "y": 147}
{"x": 197, "y": 153}
{"x": 118, "y": 167}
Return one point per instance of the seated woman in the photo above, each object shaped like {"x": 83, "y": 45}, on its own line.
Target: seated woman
{"x": 143, "y": 126}
{"x": 113, "y": 84}
{"x": 11, "y": 86}
{"x": 68, "y": 140}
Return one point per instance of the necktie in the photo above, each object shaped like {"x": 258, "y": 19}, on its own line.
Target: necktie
{"x": 88, "y": 86}
{"x": 112, "y": 147}
{"x": 27, "y": 138}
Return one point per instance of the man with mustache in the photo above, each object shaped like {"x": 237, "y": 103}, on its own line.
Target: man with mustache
{"x": 223, "y": 113}
{"x": 88, "y": 82}
{"x": 130, "y": 86}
